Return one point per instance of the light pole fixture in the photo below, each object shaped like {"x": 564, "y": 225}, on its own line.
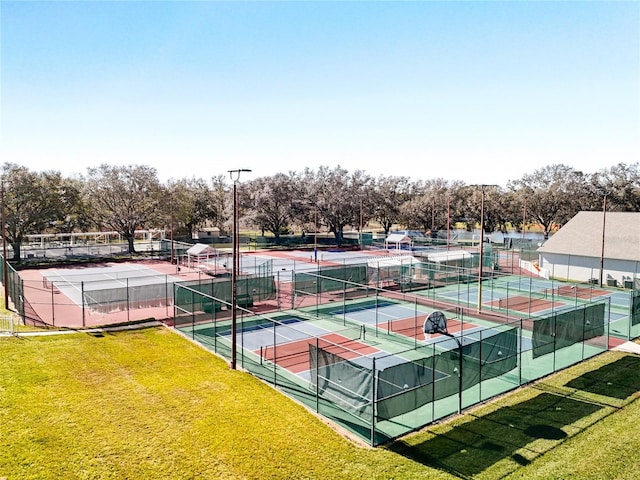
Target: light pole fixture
{"x": 235, "y": 177}
{"x": 604, "y": 221}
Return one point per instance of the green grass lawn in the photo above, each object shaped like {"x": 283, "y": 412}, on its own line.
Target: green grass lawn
{"x": 149, "y": 404}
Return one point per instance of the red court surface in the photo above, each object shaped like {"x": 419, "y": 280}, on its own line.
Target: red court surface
{"x": 294, "y": 356}
{"x": 525, "y": 304}
{"x": 578, "y": 291}
{"x": 414, "y": 327}
{"x": 52, "y": 307}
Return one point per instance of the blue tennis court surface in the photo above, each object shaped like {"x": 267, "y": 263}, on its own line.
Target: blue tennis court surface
{"x": 285, "y": 331}
{"x": 371, "y": 315}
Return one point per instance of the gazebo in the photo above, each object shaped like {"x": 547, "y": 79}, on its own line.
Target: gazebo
{"x": 397, "y": 240}
{"x": 200, "y": 254}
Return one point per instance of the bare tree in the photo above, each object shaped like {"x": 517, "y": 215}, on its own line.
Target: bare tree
{"x": 387, "y": 197}
{"x": 336, "y": 196}
{"x": 124, "y": 198}
{"x": 272, "y": 203}
{"x": 191, "y": 204}
{"x": 621, "y": 183}
{"x": 554, "y": 194}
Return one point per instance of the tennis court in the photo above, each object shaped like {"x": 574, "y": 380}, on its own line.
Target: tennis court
{"x": 357, "y": 352}
{"x": 101, "y": 293}
{"x": 285, "y": 342}
{"x": 393, "y": 317}
{"x": 79, "y": 284}
{"x": 526, "y": 304}
{"x": 528, "y": 296}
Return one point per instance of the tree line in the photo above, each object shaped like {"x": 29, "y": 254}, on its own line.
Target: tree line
{"x": 129, "y": 198}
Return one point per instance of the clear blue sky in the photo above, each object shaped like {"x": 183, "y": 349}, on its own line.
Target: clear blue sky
{"x": 482, "y": 92}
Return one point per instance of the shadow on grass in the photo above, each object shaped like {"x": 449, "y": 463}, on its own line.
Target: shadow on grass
{"x": 618, "y": 379}
{"x": 523, "y": 431}
{"x": 474, "y": 446}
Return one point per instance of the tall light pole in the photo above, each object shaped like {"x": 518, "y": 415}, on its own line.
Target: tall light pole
{"x": 5, "y": 274}
{"x": 481, "y": 250}
{"x": 524, "y": 217}
{"x": 172, "y": 246}
{"x": 482, "y": 187}
{"x": 448, "y": 220}
{"x": 235, "y": 176}
{"x": 360, "y": 231}
{"x": 315, "y": 238}
{"x": 604, "y": 221}
{"x": 433, "y": 214}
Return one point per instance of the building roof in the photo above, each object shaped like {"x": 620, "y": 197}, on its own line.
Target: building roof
{"x": 379, "y": 262}
{"x": 582, "y": 236}
{"x": 410, "y": 233}
{"x": 201, "y": 249}
{"x": 398, "y": 238}
{"x": 448, "y": 256}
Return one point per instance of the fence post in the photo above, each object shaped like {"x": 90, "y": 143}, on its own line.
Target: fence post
{"x": 317, "y": 378}
{"x": 193, "y": 319}
{"x": 53, "y": 308}
{"x": 520, "y": 355}
{"x": 166, "y": 295}
{"x": 82, "y": 300}
{"x": 373, "y": 402}
{"x": 275, "y": 364}
{"x": 128, "y": 308}
{"x": 479, "y": 367}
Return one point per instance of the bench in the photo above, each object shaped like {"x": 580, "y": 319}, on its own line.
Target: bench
{"x": 245, "y": 301}
{"x": 211, "y": 306}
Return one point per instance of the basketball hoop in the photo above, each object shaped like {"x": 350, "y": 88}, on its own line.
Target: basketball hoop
{"x": 436, "y": 322}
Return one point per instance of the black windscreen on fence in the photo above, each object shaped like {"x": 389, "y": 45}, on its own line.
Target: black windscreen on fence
{"x": 403, "y": 388}
{"x": 635, "y": 308}
{"x": 331, "y": 279}
{"x": 342, "y": 381}
{"x": 498, "y": 354}
{"x": 247, "y": 288}
{"x": 565, "y": 329}
{"x": 407, "y": 386}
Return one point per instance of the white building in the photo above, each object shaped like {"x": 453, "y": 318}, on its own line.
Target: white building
{"x": 577, "y": 251}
